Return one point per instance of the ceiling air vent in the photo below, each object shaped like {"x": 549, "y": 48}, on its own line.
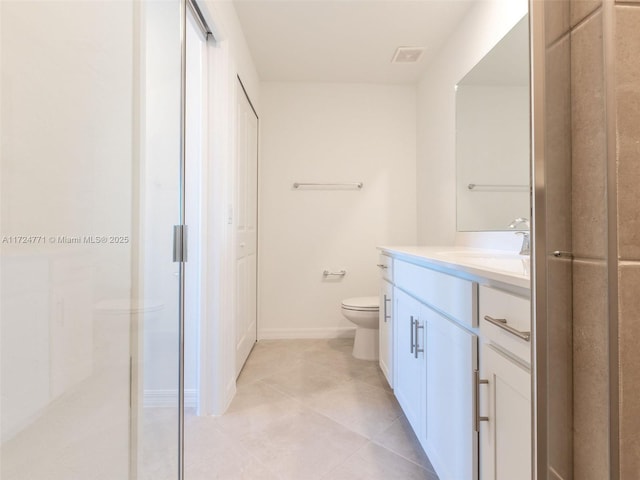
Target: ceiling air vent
{"x": 407, "y": 54}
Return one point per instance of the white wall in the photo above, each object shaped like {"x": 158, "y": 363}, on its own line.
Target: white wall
{"x": 330, "y": 133}
{"x": 480, "y": 30}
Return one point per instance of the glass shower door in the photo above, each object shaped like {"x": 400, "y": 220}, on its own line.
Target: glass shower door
{"x": 90, "y": 191}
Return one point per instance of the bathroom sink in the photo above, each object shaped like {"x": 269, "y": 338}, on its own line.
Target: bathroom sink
{"x": 502, "y": 262}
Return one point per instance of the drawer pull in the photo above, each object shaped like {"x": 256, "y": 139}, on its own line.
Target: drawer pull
{"x": 383, "y": 266}
{"x": 386, "y": 315}
{"x": 502, "y": 323}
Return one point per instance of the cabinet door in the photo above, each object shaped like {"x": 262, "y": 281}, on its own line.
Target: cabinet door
{"x": 409, "y": 366}
{"x": 505, "y": 439}
{"x": 386, "y": 331}
{"x": 452, "y": 358}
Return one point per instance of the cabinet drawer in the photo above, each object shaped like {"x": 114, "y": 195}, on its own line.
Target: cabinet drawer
{"x": 385, "y": 264}
{"x": 513, "y": 317}
{"x": 451, "y": 295}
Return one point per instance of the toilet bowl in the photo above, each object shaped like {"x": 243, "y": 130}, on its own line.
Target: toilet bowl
{"x": 363, "y": 312}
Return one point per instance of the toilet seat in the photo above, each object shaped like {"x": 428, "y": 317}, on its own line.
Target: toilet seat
{"x": 362, "y": 304}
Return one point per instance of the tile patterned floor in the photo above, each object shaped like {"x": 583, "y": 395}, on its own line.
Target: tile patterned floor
{"x": 304, "y": 410}
{"x": 307, "y": 410}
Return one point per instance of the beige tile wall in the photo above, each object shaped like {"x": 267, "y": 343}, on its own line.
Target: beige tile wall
{"x": 560, "y": 374}
{"x": 627, "y": 92}
{"x": 557, "y": 21}
{"x": 558, "y": 219}
{"x": 580, "y": 9}
{"x": 589, "y": 242}
{"x": 576, "y": 83}
{"x": 628, "y": 129}
{"x": 589, "y": 148}
{"x": 629, "y": 329}
{"x": 558, "y": 143}
{"x": 590, "y": 370}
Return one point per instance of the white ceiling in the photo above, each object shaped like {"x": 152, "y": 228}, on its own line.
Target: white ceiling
{"x": 345, "y": 40}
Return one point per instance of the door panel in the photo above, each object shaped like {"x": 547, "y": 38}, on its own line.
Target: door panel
{"x": 452, "y": 442}
{"x": 506, "y": 437}
{"x": 409, "y": 371}
{"x": 246, "y": 228}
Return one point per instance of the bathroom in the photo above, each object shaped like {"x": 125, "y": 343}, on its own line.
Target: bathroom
{"x": 107, "y": 341}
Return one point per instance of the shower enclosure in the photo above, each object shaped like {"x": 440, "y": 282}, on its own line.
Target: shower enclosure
{"x": 92, "y": 184}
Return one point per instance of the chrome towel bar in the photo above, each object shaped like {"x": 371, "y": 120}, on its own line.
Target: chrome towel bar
{"x": 497, "y": 188}
{"x": 357, "y": 185}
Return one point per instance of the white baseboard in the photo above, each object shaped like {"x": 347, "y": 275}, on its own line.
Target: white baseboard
{"x": 169, "y": 398}
{"x": 302, "y": 333}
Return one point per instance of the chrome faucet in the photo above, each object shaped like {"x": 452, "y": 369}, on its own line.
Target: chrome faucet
{"x": 526, "y": 240}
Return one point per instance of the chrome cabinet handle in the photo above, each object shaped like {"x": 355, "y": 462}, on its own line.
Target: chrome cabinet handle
{"x": 386, "y": 316}
{"x": 412, "y": 345}
{"x": 477, "y": 381}
{"x": 416, "y": 327}
{"x": 382, "y": 266}
{"x": 385, "y": 308}
{"x": 502, "y": 323}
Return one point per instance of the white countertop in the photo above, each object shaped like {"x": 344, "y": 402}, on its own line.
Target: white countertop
{"x": 497, "y": 265}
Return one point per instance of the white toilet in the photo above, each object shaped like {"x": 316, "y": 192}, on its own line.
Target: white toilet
{"x": 363, "y": 311}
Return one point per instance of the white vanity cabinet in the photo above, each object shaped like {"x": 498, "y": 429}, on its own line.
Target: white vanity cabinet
{"x": 435, "y": 357}
{"x": 505, "y": 435}
{"x": 460, "y": 361}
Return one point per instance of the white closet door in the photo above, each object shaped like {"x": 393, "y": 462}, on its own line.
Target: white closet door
{"x": 246, "y": 228}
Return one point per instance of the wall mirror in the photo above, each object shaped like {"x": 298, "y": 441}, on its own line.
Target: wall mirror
{"x": 492, "y": 136}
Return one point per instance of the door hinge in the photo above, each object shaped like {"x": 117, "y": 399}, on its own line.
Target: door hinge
{"x": 179, "y": 243}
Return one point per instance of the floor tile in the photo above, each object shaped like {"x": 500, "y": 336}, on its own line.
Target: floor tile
{"x": 399, "y": 438}
{"x": 372, "y": 375}
{"x": 305, "y": 446}
{"x": 271, "y": 356}
{"x": 255, "y": 407}
{"x": 210, "y": 454}
{"x": 306, "y": 378}
{"x": 363, "y": 408}
{"x": 303, "y": 410}
{"x": 374, "y": 462}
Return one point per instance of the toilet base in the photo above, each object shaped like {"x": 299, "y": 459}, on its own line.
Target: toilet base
{"x": 365, "y": 345}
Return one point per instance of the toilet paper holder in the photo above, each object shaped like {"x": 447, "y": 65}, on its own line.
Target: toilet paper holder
{"x": 340, "y": 273}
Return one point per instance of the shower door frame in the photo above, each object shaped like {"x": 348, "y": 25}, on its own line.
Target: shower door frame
{"x": 180, "y": 231}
